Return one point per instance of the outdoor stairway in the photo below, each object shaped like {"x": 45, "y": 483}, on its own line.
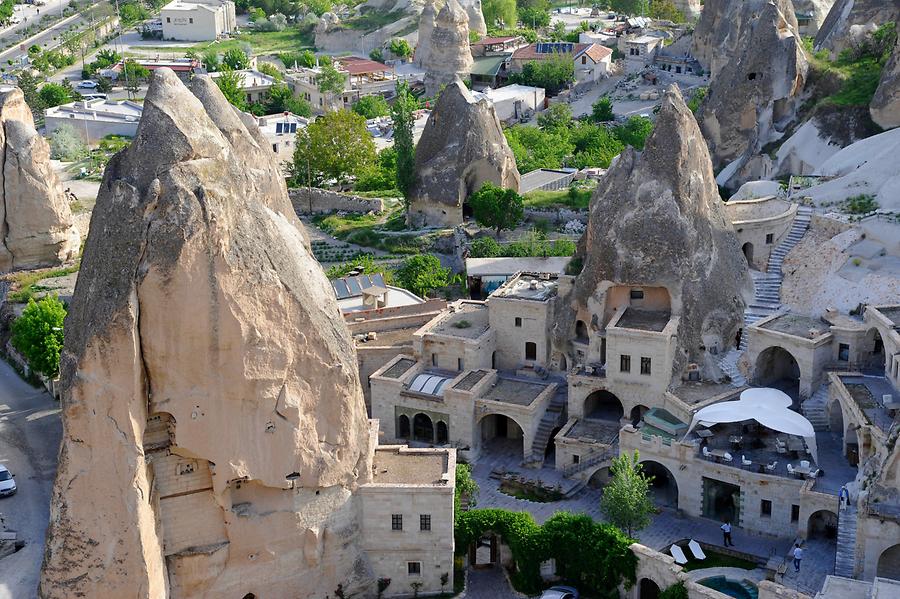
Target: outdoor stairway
{"x": 845, "y": 557}
{"x": 814, "y": 409}
{"x": 728, "y": 364}
{"x": 798, "y": 230}
{"x": 553, "y": 417}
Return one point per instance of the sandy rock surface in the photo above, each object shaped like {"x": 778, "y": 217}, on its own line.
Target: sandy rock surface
{"x": 848, "y": 20}
{"x": 448, "y": 55}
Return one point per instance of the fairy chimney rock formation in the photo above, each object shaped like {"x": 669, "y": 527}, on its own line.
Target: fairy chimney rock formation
{"x": 448, "y": 55}
{"x": 476, "y": 17}
{"x": 885, "y": 106}
{"x": 426, "y": 27}
{"x": 657, "y": 222}
{"x": 214, "y": 424}
{"x": 461, "y": 149}
{"x": 758, "y": 69}
{"x": 37, "y": 226}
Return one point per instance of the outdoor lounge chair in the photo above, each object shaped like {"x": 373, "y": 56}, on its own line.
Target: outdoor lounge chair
{"x": 771, "y": 467}
{"x": 727, "y": 457}
{"x": 696, "y": 549}
{"x": 745, "y": 461}
{"x": 706, "y": 453}
{"x": 815, "y": 473}
{"x": 790, "y": 469}
{"x": 678, "y": 554}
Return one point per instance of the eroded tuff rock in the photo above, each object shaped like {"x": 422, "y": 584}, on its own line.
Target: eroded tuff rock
{"x": 448, "y": 55}
{"x": 850, "y": 20}
{"x": 476, "y": 16}
{"x": 205, "y": 362}
{"x": 426, "y": 28}
{"x": 758, "y": 69}
{"x": 656, "y": 221}
{"x": 885, "y": 106}
{"x": 37, "y": 226}
{"x": 462, "y": 148}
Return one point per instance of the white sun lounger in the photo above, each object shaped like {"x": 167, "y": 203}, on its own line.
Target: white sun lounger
{"x": 678, "y": 554}
{"x": 696, "y": 549}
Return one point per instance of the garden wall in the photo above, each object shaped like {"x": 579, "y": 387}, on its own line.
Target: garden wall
{"x": 315, "y": 201}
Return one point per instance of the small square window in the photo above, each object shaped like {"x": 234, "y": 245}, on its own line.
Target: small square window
{"x": 434, "y": 360}
{"x": 576, "y": 458}
{"x": 396, "y": 521}
{"x": 414, "y": 568}
{"x": 191, "y": 20}
{"x": 770, "y": 238}
{"x": 795, "y": 513}
{"x": 765, "y": 508}
{"x": 518, "y": 321}
{"x": 645, "y": 366}
{"x": 843, "y": 352}
{"x": 637, "y": 294}
{"x": 459, "y": 363}
{"x": 168, "y": 19}
{"x": 424, "y": 521}
{"x": 625, "y": 364}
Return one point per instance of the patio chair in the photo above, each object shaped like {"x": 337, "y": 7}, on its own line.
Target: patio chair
{"x": 745, "y": 461}
{"x": 815, "y": 473}
{"x": 678, "y": 554}
{"x": 771, "y": 467}
{"x": 706, "y": 453}
{"x": 790, "y": 469}
{"x": 727, "y": 457}
{"x": 696, "y": 549}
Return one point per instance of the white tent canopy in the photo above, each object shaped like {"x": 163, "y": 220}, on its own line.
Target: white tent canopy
{"x": 769, "y": 407}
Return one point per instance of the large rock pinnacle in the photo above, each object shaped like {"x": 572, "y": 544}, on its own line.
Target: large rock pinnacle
{"x": 656, "y": 221}
{"x": 214, "y": 425}
{"x": 449, "y": 55}
{"x": 35, "y": 222}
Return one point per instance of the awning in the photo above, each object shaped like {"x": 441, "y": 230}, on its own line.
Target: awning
{"x": 768, "y": 407}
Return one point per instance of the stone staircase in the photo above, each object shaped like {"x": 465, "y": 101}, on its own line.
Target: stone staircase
{"x": 798, "y": 230}
{"x": 594, "y": 457}
{"x": 728, "y": 364}
{"x": 553, "y": 417}
{"x": 845, "y": 556}
{"x": 814, "y": 409}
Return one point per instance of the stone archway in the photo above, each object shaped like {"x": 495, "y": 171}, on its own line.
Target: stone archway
{"x": 648, "y": 589}
{"x": 603, "y": 405}
{"x": 442, "y": 433}
{"x": 835, "y": 417}
{"x": 637, "y": 414}
{"x": 581, "y": 331}
{"x": 747, "y": 250}
{"x": 777, "y": 367}
{"x": 663, "y": 487}
{"x": 873, "y": 355}
{"x": 889, "y": 563}
{"x": 502, "y": 434}
{"x": 600, "y": 478}
{"x": 423, "y": 428}
{"x": 403, "y": 428}
{"x": 822, "y": 525}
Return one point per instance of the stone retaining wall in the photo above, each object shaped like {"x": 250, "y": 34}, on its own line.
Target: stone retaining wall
{"x": 315, "y": 201}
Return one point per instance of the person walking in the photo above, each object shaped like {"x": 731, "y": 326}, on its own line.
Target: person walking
{"x": 798, "y": 555}
{"x": 726, "y": 534}
{"x": 844, "y": 496}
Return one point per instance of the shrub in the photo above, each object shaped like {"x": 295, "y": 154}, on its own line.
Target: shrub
{"x": 370, "y": 107}
{"x": 65, "y": 144}
{"x": 422, "y": 274}
{"x": 859, "y": 204}
{"x": 38, "y": 334}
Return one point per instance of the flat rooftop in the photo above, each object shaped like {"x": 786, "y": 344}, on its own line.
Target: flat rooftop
{"x": 98, "y": 110}
{"x": 867, "y": 392}
{"x": 695, "y": 392}
{"x": 506, "y": 267}
{"x": 410, "y": 467}
{"x": 529, "y": 286}
{"x": 399, "y": 368}
{"x": 514, "y": 391}
{"x": 644, "y": 320}
{"x": 797, "y": 325}
{"x": 543, "y": 176}
{"x": 468, "y": 321}
{"x": 602, "y": 431}
{"x": 392, "y": 338}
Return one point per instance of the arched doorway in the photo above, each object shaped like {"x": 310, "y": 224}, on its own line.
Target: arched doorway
{"x": 777, "y": 367}
{"x": 647, "y": 589}
{"x": 835, "y": 417}
{"x": 889, "y": 563}
{"x": 403, "y": 427}
{"x": 721, "y": 500}
{"x": 550, "y": 451}
{"x": 603, "y": 405}
{"x": 502, "y": 435}
{"x": 581, "y": 331}
{"x": 663, "y": 487}
{"x": 747, "y": 249}
{"x": 442, "y": 433}
{"x": 637, "y": 414}
{"x": 822, "y": 525}
{"x": 423, "y": 428}
{"x": 873, "y": 352}
{"x": 599, "y": 479}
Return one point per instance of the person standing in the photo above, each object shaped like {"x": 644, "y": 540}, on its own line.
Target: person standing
{"x": 798, "y": 555}
{"x": 844, "y": 496}
{"x": 726, "y": 534}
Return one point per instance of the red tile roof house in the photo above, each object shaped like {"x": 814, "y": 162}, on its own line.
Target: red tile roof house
{"x": 592, "y": 61}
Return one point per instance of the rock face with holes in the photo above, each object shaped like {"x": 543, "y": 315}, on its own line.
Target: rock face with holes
{"x": 758, "y": 69}
{"x": 885, "y": 105}
{"x": 658, "y": 243}
{"x": 37, "y": 226}
{"x": 214, "y": 424}
{"x": 461, "y": 149}
{"x": 448, "y": 55}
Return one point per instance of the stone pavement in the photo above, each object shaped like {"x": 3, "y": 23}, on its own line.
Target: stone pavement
{"x": 487, "y": 583}
{"x": 666, "y": 528}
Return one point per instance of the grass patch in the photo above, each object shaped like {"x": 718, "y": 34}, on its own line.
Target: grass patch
{"x": 25, "y": 284}
{"x": 715, "y": 559}
{"x": 860, "y": 204}
{"x": 370, "y": 230}
{"x": 290, "y": 39}
{"x": 574, "y": 198}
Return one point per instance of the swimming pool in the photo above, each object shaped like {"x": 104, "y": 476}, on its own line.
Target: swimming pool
{"x": 733, "y": 588}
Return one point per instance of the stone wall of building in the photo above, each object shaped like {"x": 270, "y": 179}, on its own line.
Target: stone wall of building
{"x": 754, "y": 220}
{"x": 312, "y": 200}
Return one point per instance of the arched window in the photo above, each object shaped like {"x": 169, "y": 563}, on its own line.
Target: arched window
{"x": 442, "y": 433}
{"x": 403, "y": 427}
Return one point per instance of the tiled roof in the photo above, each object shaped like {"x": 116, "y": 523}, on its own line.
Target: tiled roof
{"x": 530, "y": 52}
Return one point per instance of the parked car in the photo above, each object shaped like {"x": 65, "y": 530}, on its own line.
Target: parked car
{"x": 7, "y": 482}
{"x": 93, "y": 96}
{"x": 560, "y": 593}
{"x": 88, "y": 84}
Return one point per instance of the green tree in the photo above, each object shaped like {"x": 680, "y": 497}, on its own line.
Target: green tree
{"x": 665, "y": 10}
{"x": 383, "y": 176}
{"x": 370, "y": 107}
{"x": 267, "y": 68}
{"x": 306, "y": 58}
{"x": 6, "y": 11}
{"x": 497, "y": 208}
{"x": 484, "y": 247}
{"x": 28, "y": 83}
{"x": 211, "y": 61}
{"x": 465, "y": 487}
{"x": 536, "y": 148}
{"x": 377, "y": 55}
{"x": 557, "y": 116}
{"x": 625, "y": 501}
{"x": 54, "y": 94}
{"x": 630, "y": 7}
{"x": 421, "y": 274}
{"x": 38, "y": 334}
{"x": 330, "y": 81}
{"x": 66, "y": 145}
{"x": 403, "y": 116}
{"x": 536, "y": 18}
{"x": 697, "y": 98}
{"x": 559, "y": 31}
{"x": 335, "y": 147}
{"x": 602, "y": 110}
{"x": 135, "y": 76}
{"x": 281, "y": 99}
{"x": 553, "y": 74}
{"x": 229, "y": 83}
{"x": 499, "y": 13}
{"x": 400, "y": 48}
{"x": 634, "y": 132}
{"x": 235, "y": 59}
{"x": 594, "y": 145}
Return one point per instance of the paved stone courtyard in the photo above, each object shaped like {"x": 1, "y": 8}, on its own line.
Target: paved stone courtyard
{"x": 666, "y": 528}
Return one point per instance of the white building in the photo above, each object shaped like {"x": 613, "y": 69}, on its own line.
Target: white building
{"x": 512, "y": 102}
{"x": 197, "y": 20}
{"x": 254, "y": 84}
{"x": 280, "y": 130}
{"x": 92, "y": 120}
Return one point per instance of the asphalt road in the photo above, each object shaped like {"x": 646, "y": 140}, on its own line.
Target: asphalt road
{"x": 43, "y": 39}
{"x": 30, "y": 433}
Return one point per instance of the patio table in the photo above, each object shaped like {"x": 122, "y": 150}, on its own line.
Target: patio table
{"x": 704, "y": 433}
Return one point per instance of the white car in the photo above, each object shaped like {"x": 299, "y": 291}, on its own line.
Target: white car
{"x": 7, "y": 482}
{"x": 88, "y": 84}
